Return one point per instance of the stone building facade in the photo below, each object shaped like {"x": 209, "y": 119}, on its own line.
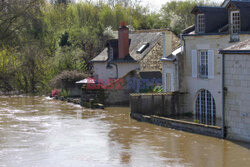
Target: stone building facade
{"x": 237, "y": 90}
{"x": 200, "y": 69}
{"x": 192, "y": 83}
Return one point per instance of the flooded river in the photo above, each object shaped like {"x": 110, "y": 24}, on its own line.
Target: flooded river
{"x": 38, "y": 131}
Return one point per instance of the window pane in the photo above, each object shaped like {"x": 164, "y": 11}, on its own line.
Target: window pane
{"x": 205, "y": 108}
{"x": 200, "y": 23}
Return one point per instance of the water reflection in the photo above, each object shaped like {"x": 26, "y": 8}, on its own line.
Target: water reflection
{"x": 37, "y": 131}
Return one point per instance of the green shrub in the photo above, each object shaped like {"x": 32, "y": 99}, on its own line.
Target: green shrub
{"x": 196, "y": 121}
{"x": 158, "y": 89}
{"x": 65, "y": 93}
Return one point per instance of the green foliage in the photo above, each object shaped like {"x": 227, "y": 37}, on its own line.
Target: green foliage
{"x": 196, "y": 121}
{"x": 158, "y": 89}
{"x": 65, "y": 93}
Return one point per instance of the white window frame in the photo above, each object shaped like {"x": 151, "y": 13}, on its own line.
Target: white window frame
{"x": 200, "y": 23}
{"x": 205, "y": 109}
{"x": 203, "y": 66}
{"x": 235, "y": 23}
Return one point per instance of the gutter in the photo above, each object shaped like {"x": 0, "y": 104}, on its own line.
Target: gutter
{"x": 223, "y": 97}
{"x": 235, "y": 51}
{"x": 215, "y": 33}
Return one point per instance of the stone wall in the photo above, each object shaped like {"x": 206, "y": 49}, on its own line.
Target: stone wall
{"x": 116, "y": 97}
{"x": 180, "y": 125}
{"x": 152, "y": 61}
{"x": 237, "y": 96}
{"x": 161, "y": 104}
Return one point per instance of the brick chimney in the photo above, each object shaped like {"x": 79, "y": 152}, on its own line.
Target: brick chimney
{"x": 123, "y": 41}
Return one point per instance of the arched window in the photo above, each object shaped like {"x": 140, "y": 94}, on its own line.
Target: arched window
{"x": 205, "y": 109}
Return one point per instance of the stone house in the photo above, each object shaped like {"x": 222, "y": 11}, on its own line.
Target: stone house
{"x": 236, "y": 81}
{"x": 133, "y": 50}
{"x": 132, "y": 62}
{"x": 196, "y": 67}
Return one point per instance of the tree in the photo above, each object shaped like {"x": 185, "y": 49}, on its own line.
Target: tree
{"x": 14, "y": 16}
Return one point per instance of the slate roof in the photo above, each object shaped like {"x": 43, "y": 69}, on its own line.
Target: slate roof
{"x": 244, "y": 7}
{"x": 240, "y": 47}
{"x": 207, "y": 9}
{"x": 137, "y": 40}
{"x": 216, "y": 18}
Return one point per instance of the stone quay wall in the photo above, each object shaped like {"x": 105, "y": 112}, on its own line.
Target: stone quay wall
{"x": 161, "y": 104}
{"x": 192, "y": 127}
{"x": 161, "y": 108}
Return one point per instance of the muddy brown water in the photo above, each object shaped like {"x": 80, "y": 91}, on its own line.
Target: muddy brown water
{"x": 38, "y": 131}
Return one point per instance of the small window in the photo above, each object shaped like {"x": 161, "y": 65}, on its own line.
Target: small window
{"x": 142, "y": 48}
{"x": 235, "y": 22}
{"x": 203, "y": 64}
{"x": 200, "y": 23}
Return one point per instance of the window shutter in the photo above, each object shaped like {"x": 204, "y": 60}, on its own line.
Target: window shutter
{"x": 210, "y": 64}
{"x": 194, "y": 63}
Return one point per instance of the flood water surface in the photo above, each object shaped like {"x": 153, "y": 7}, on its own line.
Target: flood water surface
{"x": 38, "y": 131}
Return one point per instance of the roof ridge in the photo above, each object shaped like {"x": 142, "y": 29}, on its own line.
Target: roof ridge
{"x": 150, "y": 31}
{"x": 210, "y": 7}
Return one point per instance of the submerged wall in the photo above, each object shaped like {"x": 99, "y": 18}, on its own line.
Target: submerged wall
{"x": 161, "y": 104}
{"x": 160, "y": 108}
{"x": 192, "y": 127}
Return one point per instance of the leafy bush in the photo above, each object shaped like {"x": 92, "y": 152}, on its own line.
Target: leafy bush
{"x": 65, "y": 93}
{"x": 196, "y": 121}
{"x": 158, "y": 89}
{"x": 67, "y": 77}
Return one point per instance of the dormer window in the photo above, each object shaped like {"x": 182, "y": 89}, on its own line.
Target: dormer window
{"x": 235, "y": 25}
{"x": 200, "y": 23}
{"x": 235, "y": 20}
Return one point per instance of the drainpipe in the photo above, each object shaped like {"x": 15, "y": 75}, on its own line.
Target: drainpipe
{"x": 116, "y": 67}
{"x": 164, "y": 78}
{"x": 164, "y": 44}
{"x": 109, "y": 67}
{"x": 223, "y": 97}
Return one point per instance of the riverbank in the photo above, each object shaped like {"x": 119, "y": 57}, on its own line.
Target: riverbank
{"x": 78, "y": 101}
{"x": 9, "y": 93}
